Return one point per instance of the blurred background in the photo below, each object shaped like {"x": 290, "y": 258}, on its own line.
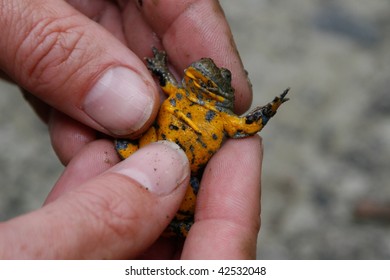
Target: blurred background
{"x": 326, "y": 170}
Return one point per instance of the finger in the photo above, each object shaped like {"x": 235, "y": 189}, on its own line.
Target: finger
{"x": 94, "y": 9}
{"x": 76, "y": 66}
{"x": 104, "y": 12}
{"x": 140, "y": 36}
{"x": 227, "y": 217}
{"x": 163, "y": 249}
{"x": 98, "y": 156}
{"x": 68, "y": 136}
{"x": 115, "y": 215}
{"x": 188, "y": 30}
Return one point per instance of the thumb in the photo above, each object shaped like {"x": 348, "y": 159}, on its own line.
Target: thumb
{"x": 118, "y": 214}
{"x": 76, "y": 66}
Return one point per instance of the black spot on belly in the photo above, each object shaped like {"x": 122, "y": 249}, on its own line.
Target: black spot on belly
{"x": 179, "y": 96}
{"x": 173, "y": 102}
{"x": 215, "y": 137}
{"x": 200, "y": 141}
{"x": 210, "y": 115}
{"x": 194, "y": 182}
{"x": 189, "y": 115}
{"x": 192, "y": 151}
{"x": 173, "y": 127}
{"x": 180, "y": 145}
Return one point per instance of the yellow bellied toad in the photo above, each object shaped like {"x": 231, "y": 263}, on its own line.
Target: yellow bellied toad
{"x": 198, "y": 116}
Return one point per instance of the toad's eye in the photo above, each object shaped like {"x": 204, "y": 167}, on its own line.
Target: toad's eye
{"x": 226, "y": 74}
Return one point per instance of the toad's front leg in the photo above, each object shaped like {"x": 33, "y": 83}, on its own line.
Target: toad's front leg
{"x": 158, "y": 65}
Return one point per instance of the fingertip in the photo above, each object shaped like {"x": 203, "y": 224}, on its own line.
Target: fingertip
{"x": 161, "y": 167}
{"x": 124, "y": 209}
{"x": 122, "y": 101}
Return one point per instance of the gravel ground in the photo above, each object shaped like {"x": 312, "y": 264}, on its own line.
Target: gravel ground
{"x": 326, "y": 152}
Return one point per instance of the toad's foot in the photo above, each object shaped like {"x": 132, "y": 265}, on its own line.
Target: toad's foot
{"x": 158, "y": 65}
{"x": 268, "y": 111}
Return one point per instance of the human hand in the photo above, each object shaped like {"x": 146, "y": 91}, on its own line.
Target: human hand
{"x": 227, "y": 216}
{"x": 120, "y": 211}
{"x": 85, "y": 77}
{"x": 80, "y": 77}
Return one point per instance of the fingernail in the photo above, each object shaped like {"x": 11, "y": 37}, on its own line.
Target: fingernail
{"x": 121, "y": 101}
{"x": 160, "y": 167}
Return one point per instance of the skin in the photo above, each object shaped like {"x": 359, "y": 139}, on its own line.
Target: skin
{"x": 59, "y": 55}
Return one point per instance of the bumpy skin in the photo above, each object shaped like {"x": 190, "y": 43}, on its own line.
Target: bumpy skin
{"x": 198, "y": 116}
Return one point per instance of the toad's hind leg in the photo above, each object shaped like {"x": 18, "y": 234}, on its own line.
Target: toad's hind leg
{"x": 184, "y": 218}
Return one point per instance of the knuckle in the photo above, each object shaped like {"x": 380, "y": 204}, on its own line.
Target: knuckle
{"x": 48, "y": 45}
{"x": 110, "y": 213}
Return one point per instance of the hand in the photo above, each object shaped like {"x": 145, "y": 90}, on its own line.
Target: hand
{"x": 84, "y": 77}
{"x": 80, "y": 77}
{"x": 120, "y": 211}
